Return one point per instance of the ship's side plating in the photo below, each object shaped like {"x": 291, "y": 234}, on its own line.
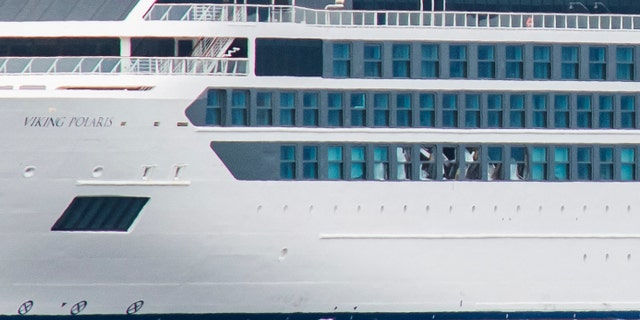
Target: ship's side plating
{"x": 206, "y": 242}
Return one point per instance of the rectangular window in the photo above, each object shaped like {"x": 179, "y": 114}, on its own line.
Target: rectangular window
{"x": 597, "y": 63}
{"x": 561, "y": 163}
{"x": 427, "y": 110}
{"x": 624, "y": 63}
{"x": 569, "y": 63}
{"x": 381, "y": 110}
{"x": 541, "y": 62}
{"x": 606, "y": 163}
{"x": 358, "y": 109}
{"x": 628, "y": 112}
{"x": 449, "y": 163}
{"x": 449, "y": 111}
{"x": 427, "y": 163}
{"x": 516, "y": 111}
{"x": 310, "y": 163}
{"x": 403, "y": 162}
{"x": 358, "y": 164}
{"x": 216, "y": 102}
{"x": 381, "y": 163}
{"x": 334, "y": 163}
{"x": 287, "y": 109}
{"x": 561, "y": 111}
{"x": 584, "y": 112}
{"x": 518, "y": 164}
{"x": 401, "y": 61}
{"x": 430, "y": 61}
{"x": 584, "y": 163}
{"x": 334, "y": 109}
{"x": 539, "y": 163}
{"x": 239, "y": 107}
{"x": 627, "y": 164}
{"x": 288, "y": 162}
{"x": 372, "y": 60}
{"x": 539, "y": 111}
{"x": 403, "y": 110}
{"x": 472, "y": 162}
{"x": 494, "y": 170}
{"x": 494, "y": 111}
{"x": 457, "y": 61}
{"x": 472, "y": 111}
{"x": 341, "y": 60}
{"x": 264, "y": 113}
{"x": 514, "y": 62}
{"x": 310, "y": 109}
{"x": 605, "y": 112}
{"x": 486, "y": 62}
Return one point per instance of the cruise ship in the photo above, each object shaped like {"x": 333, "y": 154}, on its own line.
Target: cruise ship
{"x": 320, "y": 159}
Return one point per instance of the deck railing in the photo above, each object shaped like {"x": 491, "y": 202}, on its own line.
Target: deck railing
{"x": 122, "y": 65}
{"x": 291, "y": 14}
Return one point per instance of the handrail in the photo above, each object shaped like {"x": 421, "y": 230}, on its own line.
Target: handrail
{"x": 342, "y": 18}
{"x": 123, "y": 65}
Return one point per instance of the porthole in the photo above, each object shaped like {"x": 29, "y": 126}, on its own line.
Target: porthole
{"x": 29, "y": 172}
{"x": 97, "y": 171}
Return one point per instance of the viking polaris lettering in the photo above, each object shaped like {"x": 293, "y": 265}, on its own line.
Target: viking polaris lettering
{"x": 99, "y": 122}
{"x": 44, "y": 121}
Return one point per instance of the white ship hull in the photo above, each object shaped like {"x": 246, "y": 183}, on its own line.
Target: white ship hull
{"x": 207, "y": 243}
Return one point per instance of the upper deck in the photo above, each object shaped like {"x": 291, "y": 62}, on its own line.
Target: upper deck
{"x": 358, "y": 18}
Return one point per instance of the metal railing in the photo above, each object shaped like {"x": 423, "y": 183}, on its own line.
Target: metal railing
{"x": 122, "y": 65}
{"x": 291, "y": 14}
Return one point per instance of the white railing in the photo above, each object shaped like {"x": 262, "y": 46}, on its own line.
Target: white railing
{"x": 291, "y": 14}
{"x": 122, "y": 65}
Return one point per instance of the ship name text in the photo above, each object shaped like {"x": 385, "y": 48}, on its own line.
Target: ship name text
{"x": 69, "y": 122}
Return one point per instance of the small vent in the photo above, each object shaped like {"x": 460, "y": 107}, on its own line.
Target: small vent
{"x": 100, "y": 213}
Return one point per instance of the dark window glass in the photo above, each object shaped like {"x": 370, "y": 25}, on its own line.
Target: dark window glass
{"x": 495, "y": 163}
{"x": 606, "y": 163}
{"x": 310, "y": 162}
{"x": 514, "y": 62}
{"x": 373, "y": 60}
{"x": 561, "y": 111}
{"x": 358, "y": 109}
{"x": 539, "y": 111}
{"x": 310, "y": 109}
{"x": 561, "y": 163}
{"x": 457, "y": 61}
{"x": 624, "y": 63}
{"x": 381, "y": 110}
{"x": 605, "y": 112}
{"x": 486, "y": 62}
{"x": 539, "y": 163}
{"x": 584, "y": 163}
{"x": 341, "y": 60}
{"x": 239, "y": 105}
{"x": 472, "y": 111}
{"x": 334, "y": 109}
{"x": 584, "y": 112}
{"x": 427, "y": 110}
{"x": 516, "y": 111}
{"x": 403, "y": 110}
{"x": 597, "y": 63}
{"x": 287, "y": 162}
{"x": 358, "y": 164}
{"x": 381, "y": 163}
{"x": 264, "y": 109}
{"x": 334, "y": 163}
{"x": 430, "y": 65}
{"x": 628, "y": 112}
{"x": 627, "y": 164}
{"x": 494, "y": 111}
{"x": 449, "y": 110}
{"x": 569, "y": 63}
{"x": 216, "y": 102}
{"x": 401, "y": 61}
{"x": 287, "y": 108}
{"x": 541, "y": 62}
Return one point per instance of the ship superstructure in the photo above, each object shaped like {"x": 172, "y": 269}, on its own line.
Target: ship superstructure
{"x": 328, "y": 159}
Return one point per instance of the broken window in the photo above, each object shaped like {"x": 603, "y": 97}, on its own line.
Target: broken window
{"x": 381, "y": 163}
{"x": 472, "y": 163}
{"x": 449, "y": 163}
{"x": 518, "y": 165}
{"x": 403, "y": 159}
{"x": 427, "y": 163}
{"x": 494, "y": 167}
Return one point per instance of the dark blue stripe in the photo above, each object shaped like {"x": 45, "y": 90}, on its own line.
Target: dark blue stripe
{"x": 361, "y": 316}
